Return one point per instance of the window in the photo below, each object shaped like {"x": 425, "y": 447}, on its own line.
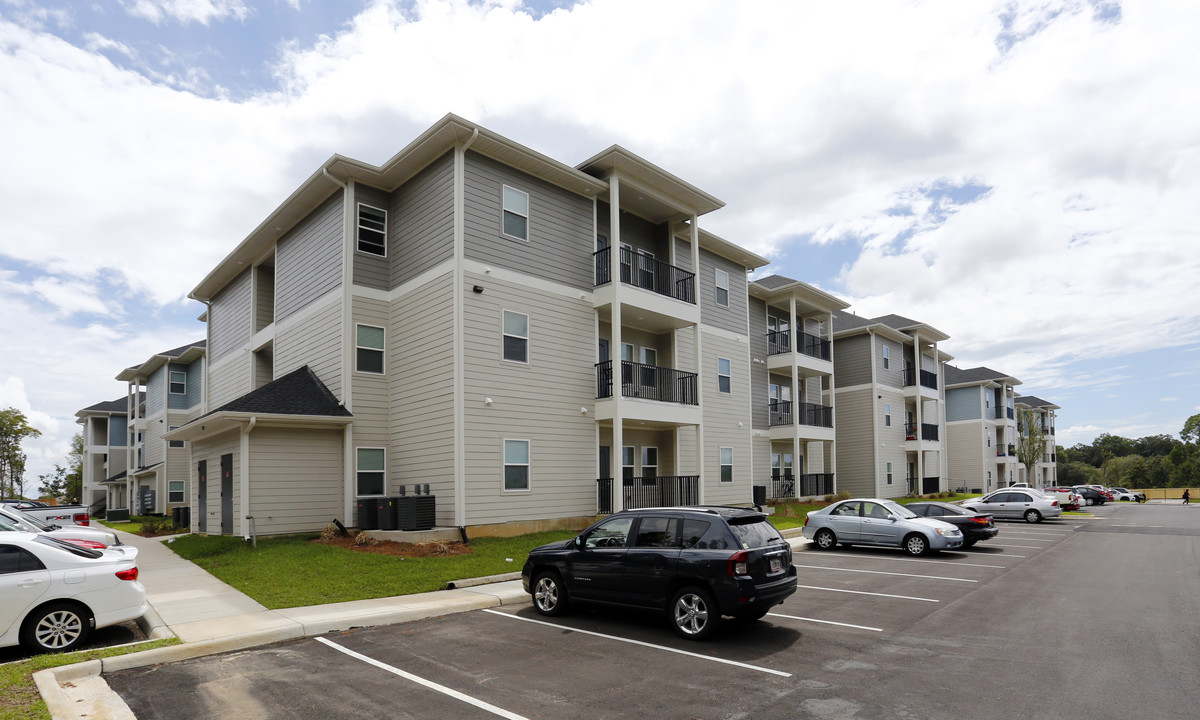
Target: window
{"x": 613, "y": 533}
{"x": 175, "y": 491}
{"x": 722, "y": 283}
{"x": 516, "y": 213}
{"x": 177, "y": 382}
{"x": 370, "y": 471}
{"x": 887, "y": 414}
{"x": 369, "y": 349}
{"x": 516, "y": 464}
{"x": 372, "y": 230}
{"x": 516, "y": 337}
{"x": 650, "y": 462}
{"x": 727, "y": 465}
{"x": 657, "y": 532}
{"x": 628, "y": 453}
{"x": 175, "y": 444}
{"x": 723, "y": 379}
{"x": 889, "y": 473}
{"x": 887, "y": 360}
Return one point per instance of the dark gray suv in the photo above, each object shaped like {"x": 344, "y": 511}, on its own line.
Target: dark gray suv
{"x": 695, "y": 563}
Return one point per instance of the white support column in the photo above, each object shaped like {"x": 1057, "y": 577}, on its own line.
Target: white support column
{"x": 617, "y": 460}
{"x": 920, "y": 412}
{"x": 797, "y": 391}
{"x": 832, "y": 403}
{"x": 700, "y": 374}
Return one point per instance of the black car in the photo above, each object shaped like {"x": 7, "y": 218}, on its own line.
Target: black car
{"x": 694, "y": 563}
{"x": 975, "y": 526}
{"x": 1091, "y": 495}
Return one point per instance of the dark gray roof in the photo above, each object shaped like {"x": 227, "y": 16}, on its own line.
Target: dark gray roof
{"x": 849, "y": 321}
{"x": 184, "y": 348}
{"x": 1034, "y": 402}
{"x": 300, "y": 392}
{"x": 113, "y": 406}
{"x": 774, "y": 282}
{"x": 118, "y": 476}
{"x": 898, "y": 322}
{"x": 955, "y": 376}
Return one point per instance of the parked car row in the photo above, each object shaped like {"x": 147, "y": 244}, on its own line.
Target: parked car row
{"x": 57, "y": 585}
{"x": 918, "y": 528}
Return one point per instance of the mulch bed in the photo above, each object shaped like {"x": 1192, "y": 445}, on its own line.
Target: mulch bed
{"x": 400, "y": 549}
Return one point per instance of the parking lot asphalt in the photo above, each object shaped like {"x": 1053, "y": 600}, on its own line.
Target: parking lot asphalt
{"x": 1078, "y": 617}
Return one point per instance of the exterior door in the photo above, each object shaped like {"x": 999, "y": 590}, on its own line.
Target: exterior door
{"x": 202, "y": 496}
{"x": 227, "y": 494}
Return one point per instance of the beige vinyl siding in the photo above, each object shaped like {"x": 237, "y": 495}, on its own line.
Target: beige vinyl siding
{"x": 155, "y": 427}
{"x": 421, "y": 221}
{"x": 762, "y": 461}
{"x": 891, "y": 442}
{"x": 852, "y": 360}
{"x": 371, "y": 270}
{"x": 211, "y": 449}
{"x": 722, "y": 413}
{"x": 560, "y": 243}
{"x": 295, "y": 479}
{"x": 177, "y": 469}
{"x": 759, "y": 377}
{"x": 372, "y": 419}
{"x": 308, "y": 259}
{"x": 732, "y": 318}
{"x": 855, "y": 442}
{"x": 893, "y": 375}
{"x": 539, "y": 401}
{"x": 264, "y": 303}
{"x": 420, "y": 363}
{"x": 229, "y": 319}
{"x": 229, "y": 379}
{"x": 316, "y": 341}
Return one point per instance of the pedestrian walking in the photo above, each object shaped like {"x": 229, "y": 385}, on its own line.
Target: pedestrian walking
{"x": 1187, "y": 495}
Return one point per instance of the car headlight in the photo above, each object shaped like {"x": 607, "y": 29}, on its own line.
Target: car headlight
{"x": 946, "y": 533}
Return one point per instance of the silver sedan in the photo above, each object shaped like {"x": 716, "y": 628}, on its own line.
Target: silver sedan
{"x": 1028, "y": 505}
{"x": 872, "y": 521}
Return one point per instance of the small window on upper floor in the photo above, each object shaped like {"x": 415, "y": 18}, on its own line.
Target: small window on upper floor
{"x": 887, "y": 361}
{"x": 175, "y": 444}
{"x": 516, "y": 336}
{"x": 722, "y": 283}
{"x": 178, "y": 382}
{"x": 516, "y": 213}
{"x": 724, "y": 381}
{"x": 372, "y": 230}
{"x": 369, "y": 347}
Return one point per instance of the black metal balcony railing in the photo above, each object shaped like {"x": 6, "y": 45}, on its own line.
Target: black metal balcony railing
{"x": 929, "y": 431}
{"x": 816, "y": 415}
{"x": 780, "y": 341}
{"x": 780, "y": 412}
{"x": 929, "y": 379}
{"x": 647, "y": 273}
{"x": 787, "y": 485}
{"x": 910, "y": 376}
{"x": 1011, "y": 414}
{"x": 910, "y": 431}
{"x": 930, "y": 485}
{"x": 999, "y": 413}
{"x": 648, "y": 382}
{"x": 814, "y": 346}
{"x": 648, "y": 491}
{"x": 1012, "y": 449}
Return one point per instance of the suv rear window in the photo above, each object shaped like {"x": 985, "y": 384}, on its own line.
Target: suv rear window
{"x": 754, "y": 532}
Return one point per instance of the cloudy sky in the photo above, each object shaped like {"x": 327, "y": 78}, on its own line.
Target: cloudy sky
{"x": 1023, "y": 175}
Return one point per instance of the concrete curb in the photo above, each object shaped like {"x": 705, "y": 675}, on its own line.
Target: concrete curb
{"x": 472, "y": 582}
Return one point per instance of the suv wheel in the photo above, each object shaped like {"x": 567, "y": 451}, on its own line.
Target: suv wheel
{"x": 549, "y": 597}
{"x": 694, "y": 613}
{"x": 825, "y": 539}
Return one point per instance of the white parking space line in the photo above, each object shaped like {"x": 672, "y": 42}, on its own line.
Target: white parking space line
{"x": 639, "y": 642}
{"x": 898, "y": 559}
{"x": 863, "y": 592}
{"x": 1135, "y": 525}
{"x": 1026, "y": 547}
{"x": 825, "y": 622}
{"x": 881, "y": 572}
{"x": 427, "y": 683}
{"x": 1040, "y": 534}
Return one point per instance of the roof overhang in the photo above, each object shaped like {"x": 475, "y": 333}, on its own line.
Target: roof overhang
{"x": 144, "y": 370}
{"x": 442, "y": 137}
{"x": 220, "y": 422}
{"x": 656, "y": 194}
{"x": 801, "y": 290}
{"x": 740, "y": 255}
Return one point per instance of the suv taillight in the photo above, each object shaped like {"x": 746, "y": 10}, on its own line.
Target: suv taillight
{"x": 738, "y": 564}
{"x": 130, "y": 574}
{"x": 81, "y": 519}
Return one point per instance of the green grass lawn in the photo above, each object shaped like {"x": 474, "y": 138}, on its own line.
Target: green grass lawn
{"x": 21, "y": 700}
{"x": 293, "y": 571}
{"x": 137, "y": 524}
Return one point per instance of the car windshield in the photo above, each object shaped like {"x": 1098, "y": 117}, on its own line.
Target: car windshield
{"x": 16, "y": 516}
{"x": 898, "y": 510}
{"x": 754, "y": 532}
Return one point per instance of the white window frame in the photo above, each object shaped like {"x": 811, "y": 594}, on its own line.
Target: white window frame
{"x": 505, "y": 334}
{"x": 505, "y": 464}
{"x": 887, "y": 360}
{"x": 887, "y": 414}
{"x": 171, "y": 443}
{"x": 721, "y": 464}
{"x": 645, "y": 459}
{"x": 728, "y": 376}
{"x": 358, "y": 472}
{"x": 649, "y": 356}
{"x": 382, "y": 351}
{"x": 171, "y": 382}
{"x": 721, "y": 286}
{"x": 505, "y": 209}
{"x": 631, "y": 452}
{"x": 889, "y": 473}
{"x": 171, "y": 493}
{"x": 358, "y": 225}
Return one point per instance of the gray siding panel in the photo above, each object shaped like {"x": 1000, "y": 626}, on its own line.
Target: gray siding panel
{"x": 229, "y": 321}
{"x": 641, "y": 235}
{"x": 308, "y": 260}
{"x": 732, "y": 318}
{"x": 295, "y": 479}
{"x": 758, "y": 371}
{"x": 372, "y": 270}
{"x": 855, "y": 442}
{"x": 118, "y": 429}
{"x": 963, "y": 404}
{"x": 372, "y": 404}
{"x": 893, "y": 374}
{"x": 316, "y": 342}
{"x": 722, "y": 413}
{"x": 180, "y": 402}
{"x": 421, "y": 221}
{"x": 195, "y": 384}
{"x": 852, "y": 361}
{"x": 560, "y": 244}
{"x": 156, "y": 389}
{"x": 230, "y": 379}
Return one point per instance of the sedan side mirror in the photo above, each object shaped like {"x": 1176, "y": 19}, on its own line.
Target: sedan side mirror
{"x": 891, "y": 517}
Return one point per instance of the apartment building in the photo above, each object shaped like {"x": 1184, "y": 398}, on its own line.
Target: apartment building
{"x": 792, "y": 370}
{"x": 1045, "y": 473}
{"x": 536, "y": 342}
{"x": 163, "y": 393}
{"x": 104, "y": 427}
{"x": 981, "y": 428}
{"x": 890, "y": 402}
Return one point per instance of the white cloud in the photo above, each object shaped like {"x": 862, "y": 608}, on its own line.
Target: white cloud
{"x": 1169, "y": 399}
{"x": 186, "y": 11}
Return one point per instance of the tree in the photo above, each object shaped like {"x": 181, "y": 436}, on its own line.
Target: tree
{"x": 14, "y": 427}
{"x": 1033, "y": 443}
{"x": 1191, "y": 430}
{"x": 55, "y": 484}
{"x": 75, "y": 469}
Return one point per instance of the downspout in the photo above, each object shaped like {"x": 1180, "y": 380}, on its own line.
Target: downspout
{"x": 245, "y": 479}
{"x": 459, "y": 478}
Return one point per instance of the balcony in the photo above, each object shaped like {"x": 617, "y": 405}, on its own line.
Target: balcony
{"x": 780, "y": 413}
{"x": 811, "y": 414}
{"x": 927, "y": 379}
{"x": 648, "y": 382}
{"x": 929, "y": 431}
{"x": 814, "y": 346}
{"x": 649, "y": 491}
{"x": 788, "y": 485}
{"x": 647, "y": 273}
{"x": 923, "y": 486}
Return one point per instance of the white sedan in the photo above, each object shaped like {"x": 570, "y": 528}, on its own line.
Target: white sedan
{"x": 54, "y": 593}
{"x": 11, "y": 519}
